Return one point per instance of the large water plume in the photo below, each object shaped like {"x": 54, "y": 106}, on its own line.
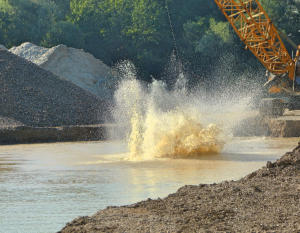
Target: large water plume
{"x": 173, "y": 122}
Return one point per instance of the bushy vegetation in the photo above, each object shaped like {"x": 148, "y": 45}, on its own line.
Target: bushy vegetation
{"x": 139, "y": 30}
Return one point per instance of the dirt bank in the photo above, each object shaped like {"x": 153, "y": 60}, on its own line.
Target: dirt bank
{"x": 267, "y": 200}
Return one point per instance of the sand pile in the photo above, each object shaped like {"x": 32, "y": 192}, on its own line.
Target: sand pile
{"x": 36, "y": 97}
{"x": 267, "y": 200}
{"x": 71, "y": 64}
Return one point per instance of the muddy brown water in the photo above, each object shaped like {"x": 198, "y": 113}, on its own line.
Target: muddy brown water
{"x": 44, "y": 186}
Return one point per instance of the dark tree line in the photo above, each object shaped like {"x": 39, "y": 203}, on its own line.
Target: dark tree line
{"x": 139, "y": 30}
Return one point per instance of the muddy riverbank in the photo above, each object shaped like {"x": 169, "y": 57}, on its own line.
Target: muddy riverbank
{"x": 266, "y": 200}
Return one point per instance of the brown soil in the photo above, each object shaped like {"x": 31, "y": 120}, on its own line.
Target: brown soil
{"x": 267, "y": 200}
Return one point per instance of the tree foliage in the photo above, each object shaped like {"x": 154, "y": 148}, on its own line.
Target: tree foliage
{"x": 139, "y": 30}
{"x": 65, "y": 33}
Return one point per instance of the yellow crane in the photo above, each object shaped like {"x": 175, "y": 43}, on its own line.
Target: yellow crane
{"x": 254, "y": 27}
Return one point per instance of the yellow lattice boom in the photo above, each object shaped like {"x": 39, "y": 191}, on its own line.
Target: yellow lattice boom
{"x": 256, "y": 30}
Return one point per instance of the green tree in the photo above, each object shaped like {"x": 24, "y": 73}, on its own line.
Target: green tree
{"x": 24, "y": 20}
{"x": 139, "y": 30}
{"x": 64, "y": 33}
{"x": 285, "y": 15}
{"x": 124, "y": 29}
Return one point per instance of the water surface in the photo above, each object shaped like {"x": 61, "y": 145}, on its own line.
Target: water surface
{"x": 44, "y": 186}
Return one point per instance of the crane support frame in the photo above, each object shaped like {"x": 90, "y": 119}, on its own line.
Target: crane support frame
{"x": 254, "y": 27}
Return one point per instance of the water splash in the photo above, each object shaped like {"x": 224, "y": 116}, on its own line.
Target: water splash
{"x": 177, "y": 133}
{"x": 165, "y": 119}
{"x": 161, "y": 122}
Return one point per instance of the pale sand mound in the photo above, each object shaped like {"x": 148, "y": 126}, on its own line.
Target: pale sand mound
{"x": 33, "y": 96}
{"x": 267, "y": 200}
{"x": 71, "y": 64}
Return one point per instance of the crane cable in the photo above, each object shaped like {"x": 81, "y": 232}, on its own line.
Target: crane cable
{"x": 172, "y": 30}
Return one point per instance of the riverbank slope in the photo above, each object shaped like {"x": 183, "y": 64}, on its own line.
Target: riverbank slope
{"x": 265, "y": 200}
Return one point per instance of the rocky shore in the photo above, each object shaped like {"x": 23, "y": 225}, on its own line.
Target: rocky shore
{"x": 267, "y": 200}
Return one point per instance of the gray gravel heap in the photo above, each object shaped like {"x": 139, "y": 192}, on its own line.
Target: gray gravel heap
{"x": 36, "y": 97}
{"x": 267, "y": 200}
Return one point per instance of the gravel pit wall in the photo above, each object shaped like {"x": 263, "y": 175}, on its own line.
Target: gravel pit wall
{"x": 267, "y": 200}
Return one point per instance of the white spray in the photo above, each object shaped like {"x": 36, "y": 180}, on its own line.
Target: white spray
{"x": 172, "y": 123}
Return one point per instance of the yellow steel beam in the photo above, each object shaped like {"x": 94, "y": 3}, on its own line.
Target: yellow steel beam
{"x": 254, "y": 27}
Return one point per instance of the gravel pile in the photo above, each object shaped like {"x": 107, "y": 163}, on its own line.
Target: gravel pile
{"x": 71, "y": 64}
{"x": 267, "y": 200}
{"x": 36, "y": 97}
